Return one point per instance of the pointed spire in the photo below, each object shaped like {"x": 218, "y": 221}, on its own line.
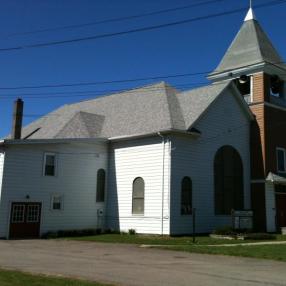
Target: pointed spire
{"x": 250, "y": 14}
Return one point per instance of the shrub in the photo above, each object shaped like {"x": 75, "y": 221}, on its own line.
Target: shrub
{"x": 71, "y": 233}
{"x": 226, "y": 230}
{"x": 259, "y": 236}
{"x": 132, "y": 231}
{"x": 50, "y": 235}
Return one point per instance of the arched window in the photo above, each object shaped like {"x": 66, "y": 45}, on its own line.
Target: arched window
{"x": 100, "y": 187}
{"x": 138, "y": 196}
{"x": 228, "y": 181}
{"x": 186, "y": 196}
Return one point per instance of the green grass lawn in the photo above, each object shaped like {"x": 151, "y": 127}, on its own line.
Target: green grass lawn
{"x": 274, "y": 252}
{"x": 160, "y": 240}
{"x": 15, "y": 278}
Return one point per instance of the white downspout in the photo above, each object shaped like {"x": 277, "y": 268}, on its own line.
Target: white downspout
{"x": 163, "y": 181}
{"x": 169, "y": 183}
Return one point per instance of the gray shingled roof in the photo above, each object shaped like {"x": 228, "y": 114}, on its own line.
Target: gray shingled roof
{"x": 250, "y": 46}
{"x": 149, "y": 109}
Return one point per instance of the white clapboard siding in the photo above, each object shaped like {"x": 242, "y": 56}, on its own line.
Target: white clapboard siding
{"x": 129, "y": 160}
{"x": 225, "y": 123}
{"x": 76, "y": 181}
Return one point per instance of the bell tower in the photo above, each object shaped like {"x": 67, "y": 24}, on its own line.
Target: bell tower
{"x": 259, "y": 73}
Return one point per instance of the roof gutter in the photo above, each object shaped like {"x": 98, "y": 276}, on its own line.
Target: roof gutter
{"x": 151, "y": 134}
{"x": 194, "y": 133}
{"x": 230, "y": 74}
{"x": 51, "y": 141}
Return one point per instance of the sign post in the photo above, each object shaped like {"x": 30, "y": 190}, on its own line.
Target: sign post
{"x": 194, "y": 225}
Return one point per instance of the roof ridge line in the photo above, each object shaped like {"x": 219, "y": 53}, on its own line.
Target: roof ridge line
{"x": 119, "y": 92}
{"x": 172, "y": 95}
{"x": 258, "y": 26}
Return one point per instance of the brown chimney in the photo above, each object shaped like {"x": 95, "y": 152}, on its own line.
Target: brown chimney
{"x": 17, "y": 119}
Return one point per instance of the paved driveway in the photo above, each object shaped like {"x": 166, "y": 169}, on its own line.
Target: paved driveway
{"x": 131, "y": 265}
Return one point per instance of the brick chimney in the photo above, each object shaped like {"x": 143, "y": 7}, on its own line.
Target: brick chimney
{"x": 17, "y": 119}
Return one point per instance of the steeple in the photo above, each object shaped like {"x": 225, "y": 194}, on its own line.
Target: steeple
{"x": 250, "y": 14}
{"x": 251, "y": 47}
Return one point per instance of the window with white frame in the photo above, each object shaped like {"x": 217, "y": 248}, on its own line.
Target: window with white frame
{"x": 57, "y": 202}
{"x": 281, "y": 160}
{"x": 50, "y": 163}
{"x": 138, "y": 194}
{"x": 18, "y": 213}
{"x": 33, "y": 213}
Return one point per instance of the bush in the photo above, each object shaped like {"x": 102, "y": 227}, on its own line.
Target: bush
{"x": 50, "y": 235}
{"x": 259, "y": 236}
{"x": 132, "y": 231}
{"x": 226, "y": 230}
{"x": 71, "y": 233}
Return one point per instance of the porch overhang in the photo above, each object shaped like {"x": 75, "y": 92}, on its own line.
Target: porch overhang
{"x": 275, "y": 179}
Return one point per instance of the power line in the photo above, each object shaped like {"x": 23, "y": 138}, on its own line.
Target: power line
{"x": 112, "y": 20}
{"x": 116, "y": 81}
{"x": 103, "y": 82}
{"x": 137, "y": 30}
{"x": 48, "y": 95}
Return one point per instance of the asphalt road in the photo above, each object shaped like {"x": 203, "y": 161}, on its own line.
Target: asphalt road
{"x": 131, "y": 266}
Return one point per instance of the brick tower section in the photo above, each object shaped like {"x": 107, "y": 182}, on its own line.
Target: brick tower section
{"x": 267, "y": 133}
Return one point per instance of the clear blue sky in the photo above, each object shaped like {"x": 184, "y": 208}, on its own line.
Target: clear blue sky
{"x": 186, "y": 48}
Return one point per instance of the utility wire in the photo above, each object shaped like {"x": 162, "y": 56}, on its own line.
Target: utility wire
{"x": 103, "y": 82}
{"x": 137, "y": 30}
{"x": 88, "y": 92}
{"x": 112, "y": 20}
{"x": 117, "y": 81}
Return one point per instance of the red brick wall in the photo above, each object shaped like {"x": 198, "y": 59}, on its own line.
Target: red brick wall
{"x": 267, "y": 133}
{"x": 275, "y": 136}
{"x": 260, "y": 87}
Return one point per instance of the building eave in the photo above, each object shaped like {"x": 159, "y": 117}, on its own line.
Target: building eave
{"x": 267, "y": 67}
{"x": 194, "y": 133}
{"x": 7, "y": 142}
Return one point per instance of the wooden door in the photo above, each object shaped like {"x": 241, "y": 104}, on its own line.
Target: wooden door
{"x": 25, "y": 220}
{"x": 281, "y": 210}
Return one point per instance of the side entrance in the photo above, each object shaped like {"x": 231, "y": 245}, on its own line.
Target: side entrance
{"x": 25, "y": 220}
{"x": 280, "y": 205}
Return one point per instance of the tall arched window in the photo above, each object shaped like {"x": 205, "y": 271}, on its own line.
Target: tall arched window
{"x": 186, "y": 196}
{"x": 138, "y": 196}
{"x": 228, "y": 180}
{"x": 100, "y": 187}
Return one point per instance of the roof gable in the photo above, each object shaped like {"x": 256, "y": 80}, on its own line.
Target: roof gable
{"x": 82, "y": 125}
{"x": 195, "y": 102}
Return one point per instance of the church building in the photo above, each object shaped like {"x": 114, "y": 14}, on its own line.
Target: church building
{"x": 152, "y": 158}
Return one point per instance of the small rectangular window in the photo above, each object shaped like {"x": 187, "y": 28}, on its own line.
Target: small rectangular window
{"x": 281, "y": 160}
{"x": 57, "y": 202}
{"x": 50, "y": 164}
